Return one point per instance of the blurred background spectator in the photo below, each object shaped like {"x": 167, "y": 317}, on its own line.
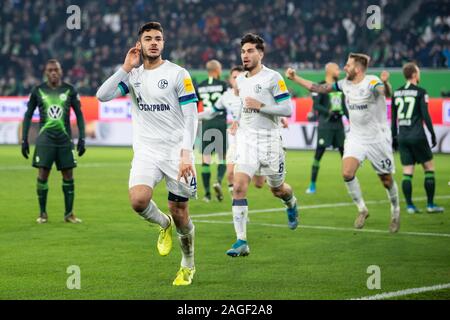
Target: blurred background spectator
{"x": 306, "y": 34}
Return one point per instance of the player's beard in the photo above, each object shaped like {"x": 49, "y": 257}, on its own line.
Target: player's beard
{"x": 149, "y": 58}
{"x": 351, "y": 76}
{"x": 249, "y": 67}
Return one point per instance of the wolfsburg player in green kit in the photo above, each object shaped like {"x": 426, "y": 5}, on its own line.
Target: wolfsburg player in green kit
{"x": 214, "y": 131}
{"x": 410, "y": 107}
{"x": 54, "y": 142}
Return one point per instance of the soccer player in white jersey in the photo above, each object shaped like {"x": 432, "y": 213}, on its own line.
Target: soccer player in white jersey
{"x": 259, "y": 148}
{"x": 232, "y": 104}
{"x": 369, "y": 136}
{"x": 164, "y": 117}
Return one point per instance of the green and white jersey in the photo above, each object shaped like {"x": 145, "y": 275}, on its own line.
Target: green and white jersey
{"x": 323, "y": 103}
{"x": 410, "y": 108}
{"x": 209, "y": 92}
{"x": 54, "y": 110}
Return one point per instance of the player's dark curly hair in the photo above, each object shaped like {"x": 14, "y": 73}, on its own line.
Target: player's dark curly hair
{"x": 153, "y": 25}
{"x": 254, "y": 39}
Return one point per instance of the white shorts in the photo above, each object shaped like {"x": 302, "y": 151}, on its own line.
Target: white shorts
{"x": 150, "y": 172}
{"x": 256, "y": 156}
{"x": 379, "y": 154}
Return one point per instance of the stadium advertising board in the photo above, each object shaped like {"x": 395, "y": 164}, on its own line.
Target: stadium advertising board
{"x": 109, "y": 123}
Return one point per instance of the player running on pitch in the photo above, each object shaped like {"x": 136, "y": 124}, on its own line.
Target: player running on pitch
{"x": 54, "y": 98}
{"x": 330, "y": 108}
{"x": 164, "y": 117}
{"x": 259, "y": 148}
{"x": 410, "y": 107}
{"x": 232, "y": 104}
{"x": 214, "y": 129}
{"x": 369, "y": 136}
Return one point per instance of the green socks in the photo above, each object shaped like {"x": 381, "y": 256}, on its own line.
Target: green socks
{"x": 42, "y": 191}
{"x": 429, "y": 185}
{"x": 206, "y": 177}
{"x": 221, "y": 170}
{"x": 407, "y": 188}
{"x": 315, "y": 170}
{"x": 69, "y": 195}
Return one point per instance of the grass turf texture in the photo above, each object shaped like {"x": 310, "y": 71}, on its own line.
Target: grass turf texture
{"x": 116, "y": 250}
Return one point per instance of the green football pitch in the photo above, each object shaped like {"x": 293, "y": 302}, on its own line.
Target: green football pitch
{"x": 325, "y": 258}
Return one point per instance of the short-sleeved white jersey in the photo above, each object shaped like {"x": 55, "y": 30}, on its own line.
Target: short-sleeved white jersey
{"x": 366, "y": 108}
{"x": 269, "y": 88}
{"x": 158, "y": 96}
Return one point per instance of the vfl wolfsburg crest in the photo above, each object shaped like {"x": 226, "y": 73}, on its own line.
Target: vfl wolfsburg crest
{"x": 55, "y": 112}
{"x": 63, "y": 97}
{"x": 336, "y": 101}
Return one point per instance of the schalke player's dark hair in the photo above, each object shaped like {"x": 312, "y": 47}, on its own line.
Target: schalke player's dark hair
{"x": 153, "y": 25}
{"x": 254, "y": 39}
{"x": 409, "y": 70}
{"x": 237, "y": 68}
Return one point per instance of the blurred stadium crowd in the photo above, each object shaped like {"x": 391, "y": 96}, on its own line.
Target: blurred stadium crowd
{"x": 306, "y": 34}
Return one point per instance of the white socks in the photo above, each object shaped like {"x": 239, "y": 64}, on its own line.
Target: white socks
{"x": 393, "y": 197}
{"x": 354, "y": 190}
{"x": 240, "y": 215}
{"x": 186, "y": 236}
{"x": 290, "y": 203}
{"x": 154, "y": 215}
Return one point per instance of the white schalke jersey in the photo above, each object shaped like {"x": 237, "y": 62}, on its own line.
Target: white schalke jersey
{"x": 269, "y": 88}
{"x": 366, "y": 108}
{"x": 158, "y": 96}
{"x": 230, "y": 102}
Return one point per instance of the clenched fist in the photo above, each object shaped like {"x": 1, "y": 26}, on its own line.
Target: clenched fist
{"x": 384, "y": 76}
{"x": 290, "y": 73}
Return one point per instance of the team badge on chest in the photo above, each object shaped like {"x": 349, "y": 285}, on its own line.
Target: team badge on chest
{"x": 163, "y": 83}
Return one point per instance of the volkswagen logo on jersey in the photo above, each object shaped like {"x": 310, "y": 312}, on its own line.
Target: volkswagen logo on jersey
{"x": 163, "y": 83}
{"x": 258, "y": 88}
{"x": 55, "y": 112}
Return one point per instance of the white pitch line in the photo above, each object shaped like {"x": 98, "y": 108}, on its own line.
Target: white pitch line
{"x": 406, "y": 292}
{"x": 425, "y": 234}
{"x": 306, "y": 207}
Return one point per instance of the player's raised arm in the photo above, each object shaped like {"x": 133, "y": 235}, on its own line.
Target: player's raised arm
{"x": 31, "y": 106}
{"x": 386, "y": 88}
{"x": 309, "y": 85}
{"x": 117, "y": 85}
{"x": 394, "y": 126}
{"x": 76, "y": 106}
